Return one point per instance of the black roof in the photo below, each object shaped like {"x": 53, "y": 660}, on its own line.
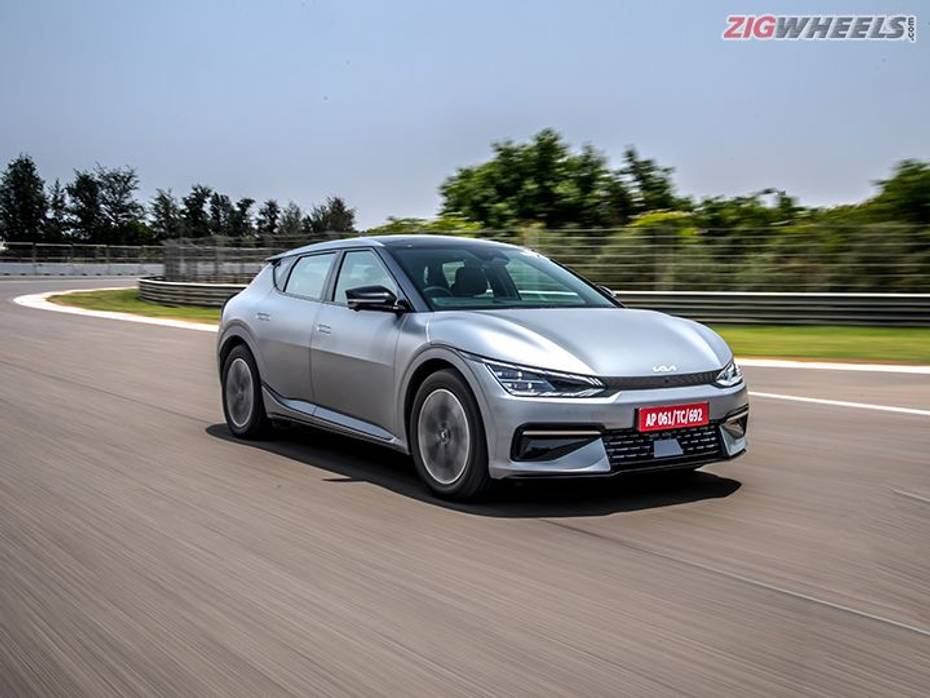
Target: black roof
{"x": 393, "y": 241}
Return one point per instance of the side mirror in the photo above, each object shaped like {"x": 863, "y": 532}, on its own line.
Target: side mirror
{"x": 375, "y": 298}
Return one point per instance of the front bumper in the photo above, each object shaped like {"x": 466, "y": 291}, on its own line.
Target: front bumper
{"x": 599, "y": 433}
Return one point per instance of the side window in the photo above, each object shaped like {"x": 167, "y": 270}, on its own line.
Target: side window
{"x": 281, "y": 268}
{"x": 309, "y": 275}
{"x": 534, "y": 284}
{"x": 362, "y": 268}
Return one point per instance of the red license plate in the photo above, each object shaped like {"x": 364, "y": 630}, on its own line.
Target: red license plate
{"x": 673, "y": 417}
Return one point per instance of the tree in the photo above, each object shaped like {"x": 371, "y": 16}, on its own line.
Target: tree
{"x": 442, "y": 224}
{"x": 905, "y": 196}
{"x": 121, "y": 215}
{"x": 22, "y": 202}
{"x": 650, "y": 184}
{"x": 56, "y": 222}
{"x": 165, "y": 215}
{"x": 267, "y": 222}
{"x": 84, "y": 207}
{"x": 539, "y": 182}
{"x": 334, "y": 216}
{"x": 290, "y": 225}
{"x": 763, "y": 209}
{"x": 194, "y": 214}
{"x": 221, "y": 210}
{"x": 240, "y": 219}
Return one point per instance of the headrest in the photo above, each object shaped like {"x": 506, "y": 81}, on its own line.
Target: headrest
{"x": 469, "y": 281}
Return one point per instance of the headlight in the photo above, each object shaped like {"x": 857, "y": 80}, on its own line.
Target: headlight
{"x": 533, "y": 382}
{"x": 729, "y": 376}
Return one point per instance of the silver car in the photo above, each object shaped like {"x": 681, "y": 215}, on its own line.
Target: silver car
{"x": 481, "y": 360}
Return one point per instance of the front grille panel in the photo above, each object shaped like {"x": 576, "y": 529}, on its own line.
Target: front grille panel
{"x": 667, "y": 381}
{"x": 628, "y": 449}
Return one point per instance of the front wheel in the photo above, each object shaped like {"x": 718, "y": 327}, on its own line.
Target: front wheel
{"x": 242, "y": 395}
{"x": 447, "y": 437}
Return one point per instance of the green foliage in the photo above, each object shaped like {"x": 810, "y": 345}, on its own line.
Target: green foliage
{"x": 539, "y": 182}
{"x": 102, "y": 208}
{"x": 84, "y": 207}
{"x": 750, "y": 212}
{"x": 126, "y": 300}
{"x": 650, "y": 186}
{"x": 120, "y": 214}
{"x": 99, "y": 206}
{"x": 333, "y": 216}
{"x": 905, "y": 196}
{"x": 165, "y": 215}
{"x": 904, "y": 344}
{"x": 22, "y": 202}
{"x": 400, "y": 226}
{"x": 291, "y": 224}
{"x": 56, "y": 222}
{"x": 196, "y": 223}
{"x": 624, "y": 227}
{"x": 240, "y": 219}
{"x": 221, "y": 210}
{"x": 266, "y": 224}
{"x": 442, "y": 224}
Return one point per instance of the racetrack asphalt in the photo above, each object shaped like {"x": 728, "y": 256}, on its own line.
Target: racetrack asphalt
{"x": 143, "y": 551}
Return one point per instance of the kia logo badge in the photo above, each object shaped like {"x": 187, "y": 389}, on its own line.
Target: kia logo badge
{"x": 664, "y": 369}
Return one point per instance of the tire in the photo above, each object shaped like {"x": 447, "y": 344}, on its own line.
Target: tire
{"x": 447, "y": 439}
{"x": 243, "y": 406}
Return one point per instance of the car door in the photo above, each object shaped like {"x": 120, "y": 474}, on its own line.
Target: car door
{"x": 353, "y": 351}
{"x": 285, "y": 325}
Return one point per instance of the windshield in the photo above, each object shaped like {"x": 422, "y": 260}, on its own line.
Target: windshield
{"x": 470, "y": 277}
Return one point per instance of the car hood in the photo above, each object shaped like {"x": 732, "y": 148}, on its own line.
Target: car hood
{"x": 593, "y": 341}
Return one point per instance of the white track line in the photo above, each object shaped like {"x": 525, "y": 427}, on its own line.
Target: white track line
{"x": 911, "y": 495}
{"x": 833, "y": 366}
{"x": 842, "y": 403}
{"x": 742, "y": 578}
{"x": 41, "y": 302}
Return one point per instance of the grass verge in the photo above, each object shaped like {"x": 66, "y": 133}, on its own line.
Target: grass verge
{"x": 128, "y": 301}
{"x": 883, "y": 344}
{"x": 878, "y": 344}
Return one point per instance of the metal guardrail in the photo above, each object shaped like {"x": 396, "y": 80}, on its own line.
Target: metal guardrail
{"x": 186, "y": 292}
{"x": 765, "y": 308}
{"x": 722, "y": 307}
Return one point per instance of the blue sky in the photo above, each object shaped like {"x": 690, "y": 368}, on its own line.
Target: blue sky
{"x": 379, "y": 101}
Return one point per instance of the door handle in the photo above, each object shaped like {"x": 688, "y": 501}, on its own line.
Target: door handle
{"x": 263, "y": 316}
{"x": 324, "y": 329}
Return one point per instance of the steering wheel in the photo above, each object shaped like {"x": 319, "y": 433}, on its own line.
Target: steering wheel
{"x": 434, "y": 291}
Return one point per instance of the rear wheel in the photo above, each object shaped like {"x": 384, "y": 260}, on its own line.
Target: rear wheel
{"x": 242, "y": 395}
{"x": 447, "y": 437}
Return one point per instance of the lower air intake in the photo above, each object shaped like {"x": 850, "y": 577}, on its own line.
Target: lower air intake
{"x": 628, "y": 449}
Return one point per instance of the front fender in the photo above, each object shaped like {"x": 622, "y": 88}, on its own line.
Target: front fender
{"x": 449, "y": 355}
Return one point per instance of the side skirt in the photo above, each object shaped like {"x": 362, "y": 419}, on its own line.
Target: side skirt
{"x": 314, "y": 415}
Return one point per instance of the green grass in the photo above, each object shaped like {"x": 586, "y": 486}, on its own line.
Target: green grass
{"x": 883, "y": 344}
{"x": 127, "y": 301}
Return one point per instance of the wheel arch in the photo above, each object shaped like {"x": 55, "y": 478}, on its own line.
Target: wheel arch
{"x": 235, "y": 336}
{"x": 429, "y": 362}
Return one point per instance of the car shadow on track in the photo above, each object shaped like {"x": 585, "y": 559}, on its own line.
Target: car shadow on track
{"x": 351, "y": 461}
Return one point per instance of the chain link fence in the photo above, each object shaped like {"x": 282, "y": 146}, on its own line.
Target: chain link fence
{"x": 864, "y": 259}
{"x": 44, "y": 259}
{"x": 814, "y": 258}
